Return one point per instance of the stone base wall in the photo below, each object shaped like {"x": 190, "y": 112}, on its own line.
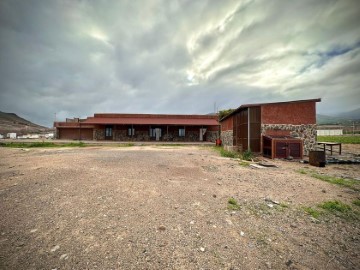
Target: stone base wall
{"x": 211, "y": 136}
{"x": 306, "y": 132}
{"x": 122, "y": 135}
{"x": 99, "y": 134}
{"x": 227, "y": 138}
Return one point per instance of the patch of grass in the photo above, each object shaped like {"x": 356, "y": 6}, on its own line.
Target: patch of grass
{"x": 77, "y": 144}
{"x": 171, "y": 144}
{"x": 233, "y": 204}
{"x": 28, "y": 145}
{"x": 41, "y": 144}
{"x": 244, "y": 163}
{"x": 335, "y": 206}
{"x": 350, "y": 183}
{"x": 302, "y": 171}
{"x": 225, "y": 153}
{"x": 284, "y": 205}
{"x": 356, "y": 202}
{"x": 313, "y": 212}
{"x": 126, "y": 144}
{"x": 340, "y": 139}
{"x": 247, "y": 155}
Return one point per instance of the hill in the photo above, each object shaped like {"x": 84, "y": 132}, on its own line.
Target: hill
{"x": 344, "y": 119}
{"x": 10, "y": 122}
{"x": 353, "y": 115}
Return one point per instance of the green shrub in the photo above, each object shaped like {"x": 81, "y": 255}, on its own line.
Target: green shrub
{"x": 225, "y": 153}
{"x": 247, "y": 155}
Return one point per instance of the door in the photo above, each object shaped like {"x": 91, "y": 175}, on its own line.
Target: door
{"x": 202, "y": 133}
{"x": 157, "y": 133}
{"x": 108, "y": 133}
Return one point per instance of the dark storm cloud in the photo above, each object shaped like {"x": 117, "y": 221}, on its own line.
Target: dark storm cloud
{"x": 75, "y": 58}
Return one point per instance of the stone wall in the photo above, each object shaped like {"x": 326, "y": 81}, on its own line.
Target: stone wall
{"x": 211, "y": 136}
{"x": 99, "y": 134}
{"x": 227, "y": 140}
{"x": 143, "y": 135}
{"x": 120, "y": 135}
{"x": 305, "y": 132}
{"x": 190, "y": 136}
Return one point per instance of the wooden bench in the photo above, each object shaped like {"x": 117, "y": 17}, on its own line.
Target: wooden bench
{"x": 324, "y": 146}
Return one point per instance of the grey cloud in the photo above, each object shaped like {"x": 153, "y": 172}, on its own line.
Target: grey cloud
{"x": 75, "y": 58}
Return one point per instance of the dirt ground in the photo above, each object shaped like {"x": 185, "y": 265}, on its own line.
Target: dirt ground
{"x": 157, "y": 207}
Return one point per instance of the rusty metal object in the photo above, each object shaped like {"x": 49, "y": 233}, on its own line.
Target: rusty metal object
{"x": 317, "y": 158}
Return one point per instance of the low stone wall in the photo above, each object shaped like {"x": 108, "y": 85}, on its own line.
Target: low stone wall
{"x": 305, "y": 132}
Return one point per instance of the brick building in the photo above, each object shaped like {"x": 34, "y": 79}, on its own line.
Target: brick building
{"x": 245, "y": 128}
{"x": 140, "y": 127}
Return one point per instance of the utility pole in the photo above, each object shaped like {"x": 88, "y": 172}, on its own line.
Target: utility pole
{"x": 353, "y": 127}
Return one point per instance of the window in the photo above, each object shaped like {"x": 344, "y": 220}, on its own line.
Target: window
{"x": 131, "y": 131}
{"x": 108, "y": 132}
{"x": 153, "y": 132}
{"x": 181, "y": 132}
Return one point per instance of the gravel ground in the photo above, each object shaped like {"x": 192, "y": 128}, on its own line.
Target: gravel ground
{"x": 157, "y": 207}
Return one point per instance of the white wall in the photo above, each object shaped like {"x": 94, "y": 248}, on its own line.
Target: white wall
{"x": 329, "y": 132}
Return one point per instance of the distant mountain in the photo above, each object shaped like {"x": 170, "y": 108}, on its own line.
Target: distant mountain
{"x": 354, "y": 114}
{"x": 345, "y": 118}
{"x": 10, "y": 122}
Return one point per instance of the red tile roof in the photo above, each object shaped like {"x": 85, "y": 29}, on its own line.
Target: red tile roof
{"x": 168, "y": 120}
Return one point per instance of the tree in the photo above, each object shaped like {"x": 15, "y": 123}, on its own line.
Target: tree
{"x": 224, "y": 113}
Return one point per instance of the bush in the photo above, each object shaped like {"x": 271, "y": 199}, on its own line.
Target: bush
{"x": 247, "y": 155}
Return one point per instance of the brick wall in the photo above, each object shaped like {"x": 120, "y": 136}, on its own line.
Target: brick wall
{"x": 289, "y": 113}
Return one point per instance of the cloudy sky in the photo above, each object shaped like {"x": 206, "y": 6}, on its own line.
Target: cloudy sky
{"x": 75, "y": 58}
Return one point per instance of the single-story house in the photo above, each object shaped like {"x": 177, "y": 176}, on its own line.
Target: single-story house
{"x": 249, "y": 125}
{"x": 140, "y": 127}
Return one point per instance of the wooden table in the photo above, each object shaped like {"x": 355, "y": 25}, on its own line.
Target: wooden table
{"x": 331, "y": 145}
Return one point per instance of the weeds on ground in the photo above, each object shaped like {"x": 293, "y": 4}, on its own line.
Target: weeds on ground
{"x": 41, "y": 144}
{"x": 335, "y": 206}
{"x": 350, "y": 183}
{"x": 171, "y": 144}
{"x": 284, "y": 205}
{"x": 244, "y": 163}
{"x": 225, "y": 153}
{"x": 302, "y": 171}
{"x": 356, "y": 202}
{"x": 311, "y": 211}
{"x": 126, "y": 144}
{"x": 233, "y": 204}
{"x": 77, "y": 144}
{"x": 247, "y": 155}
